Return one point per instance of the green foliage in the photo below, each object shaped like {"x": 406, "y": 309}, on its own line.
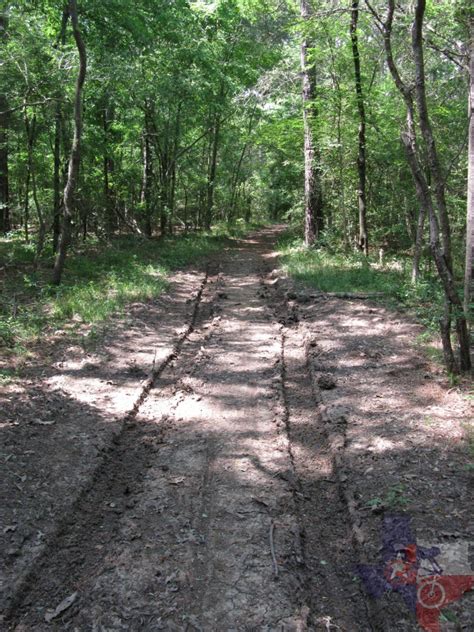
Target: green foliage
{"x": 100, "y": 281}
{"x": 329, "y": 271}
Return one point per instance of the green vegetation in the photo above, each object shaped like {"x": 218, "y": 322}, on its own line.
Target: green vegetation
{"x": 390, "y": 281}
{"x": 101, "y": 279}
{"x": 149, "y": 118}
{"x": 394, "y": 498}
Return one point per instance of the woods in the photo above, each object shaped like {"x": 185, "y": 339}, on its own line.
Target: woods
{"x": 154, "y": 118}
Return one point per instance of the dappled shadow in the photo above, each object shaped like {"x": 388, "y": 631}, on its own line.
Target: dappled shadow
{"x": 174, "y": 533}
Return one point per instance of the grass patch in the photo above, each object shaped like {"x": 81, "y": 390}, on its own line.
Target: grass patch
{"x": 353, "y": 273}
{"x": 99, "y": 280}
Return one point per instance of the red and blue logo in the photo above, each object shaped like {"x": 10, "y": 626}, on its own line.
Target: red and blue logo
{"x": 413, "y": 572}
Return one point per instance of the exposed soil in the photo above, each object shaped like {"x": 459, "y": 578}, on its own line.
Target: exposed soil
{"x": 224, "y": 461}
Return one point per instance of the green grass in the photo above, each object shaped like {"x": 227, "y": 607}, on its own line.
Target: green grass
{"x": 354, "y": 273}
{"x": 99, "y": 280}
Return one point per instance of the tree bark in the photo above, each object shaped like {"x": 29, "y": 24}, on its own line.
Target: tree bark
{"x": 427, "y": 131}
{"x": 468, "y": 271}
{"x": 75, "y": 156}
{"x": 443, "y": 259}
{"x": 361, "y": 158}
{"x": 452, "y": 301}
{"x": 108, "y": 169}
{"x": 212, "y": 171}
{"x": 313, "y": 199}
{"x": 57, "y": 178}
{"x": 4, "y": 185}
{"x": 30, "y": 130}
{"x": 58, "y": 133}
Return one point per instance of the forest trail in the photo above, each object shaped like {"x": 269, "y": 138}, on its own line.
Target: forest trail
{"x": 240, "y": 485}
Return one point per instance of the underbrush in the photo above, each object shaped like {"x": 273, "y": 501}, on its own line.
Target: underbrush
{"x": 354, "y": 273}
{"x": 100, "y": 279}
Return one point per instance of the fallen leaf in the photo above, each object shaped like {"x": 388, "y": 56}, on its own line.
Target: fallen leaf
{"x": 63, "y": 606}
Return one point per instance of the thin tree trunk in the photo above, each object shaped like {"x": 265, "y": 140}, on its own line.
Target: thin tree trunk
{"x": 211, "y": 179}
{"x": 427, "y": 131}
{"x": 147, "y": 173}
{"x": 444, "y": 259}
{"x": 30, "y": 129}
{"x": 58, "y": 132}
{"x": 423, "y": 192}
{"x": 468, "y": 272}
{"x": 361, "y": 158}
{"x": 313, "y": 200}
{"x": 4, "y": 185}
{"x": 418, "y": 245}
{"x": 108, "y": 168}
{"x": 75, "y": 156}
{"x": 57, "y": 178}
{"x": 40, "y": 239}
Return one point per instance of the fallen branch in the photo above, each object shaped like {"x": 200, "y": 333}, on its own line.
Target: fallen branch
{"x": 349, "y": 295}
{"x": 272, "y": 549}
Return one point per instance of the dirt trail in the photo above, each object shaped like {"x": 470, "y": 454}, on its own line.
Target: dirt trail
{"x": 233, "y": 495}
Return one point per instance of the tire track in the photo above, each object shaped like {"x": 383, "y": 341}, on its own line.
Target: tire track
{"x": 74, "y": 550}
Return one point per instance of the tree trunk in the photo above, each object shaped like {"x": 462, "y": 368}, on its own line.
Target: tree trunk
{"x": 57, "y": 178}
{"x": 108, "y": 169}
{"x": 423, "y": 192}
{"x": 313, "y": 199}
{"x": 443, "y": 259}
{"x": 427, "y": 131}
{"x": 212, "y": 171}
{"x": 4, "y": 187}
{"x": 418, "y": 245}
{"x": 361, "y": 158}
{"x": 75, "y": 156}
{"x": 468, "y": 272}
{"x": 147, "y": 182}
{"x": 58, "y": 132}
{"x": 30, "y": 130}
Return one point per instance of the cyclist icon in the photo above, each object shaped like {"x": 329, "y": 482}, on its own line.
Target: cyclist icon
{"x": 413, "y": 571}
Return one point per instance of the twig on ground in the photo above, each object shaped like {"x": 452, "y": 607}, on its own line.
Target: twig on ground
{"x": 272, "y": 549}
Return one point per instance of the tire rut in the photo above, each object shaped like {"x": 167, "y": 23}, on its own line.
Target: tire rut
{"x": 75, "y": 550}
{"x": 332, "y": 541}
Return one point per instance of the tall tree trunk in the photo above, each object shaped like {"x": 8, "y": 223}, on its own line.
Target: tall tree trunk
{"x": 4, "y": 187}
{"x": 75, "y": 156}
{"x": 438, "y": 179}
{"x": 57, "y": 177}
{"x": 361, "y": 157}
{"x": 108, "y": 169}
{"x": 444, "y": 259}
{"x": 423, "y": 191}
{"x": 148, "y": 171}
{"x": 212, "y": 171}
{"x": 313, "y": 199}
{"x": 58, "y": 133}
{"x": 418, "y": 245}
{"x": 30, "y": 130}
{"x": 468, "y": 271}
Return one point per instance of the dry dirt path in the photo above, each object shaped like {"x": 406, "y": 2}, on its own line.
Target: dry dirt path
{"x": 233, "y": 490}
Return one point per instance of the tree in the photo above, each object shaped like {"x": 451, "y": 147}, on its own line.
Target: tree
{"x": 361, "y": 158}
{"x": 468, "y": 273}
{"x": 75, "y": 156}
{"x": 435, "y": 209}
{"x": 4, "y": 182}
{"x": 313, "y": 197}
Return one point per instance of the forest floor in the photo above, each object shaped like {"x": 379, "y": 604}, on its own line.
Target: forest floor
{"x": 227, "y": 458}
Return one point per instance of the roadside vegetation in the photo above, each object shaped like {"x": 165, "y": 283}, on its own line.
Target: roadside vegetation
{"x": 101, "y": 279}
{"x": 387, "y": 278}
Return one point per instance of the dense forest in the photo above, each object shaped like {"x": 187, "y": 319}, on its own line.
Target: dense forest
{"x": 348, "y": 120}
